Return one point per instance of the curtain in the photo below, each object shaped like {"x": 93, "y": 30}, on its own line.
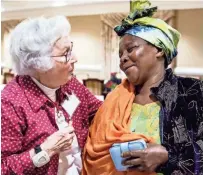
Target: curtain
{"x": 110, "y": 42}
{"x": 6, "y": 28}
{"x": 169, "y": 16}
{"x": 6, "y": 63}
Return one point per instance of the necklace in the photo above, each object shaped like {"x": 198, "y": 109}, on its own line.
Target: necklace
{"x": 60, "y": 119}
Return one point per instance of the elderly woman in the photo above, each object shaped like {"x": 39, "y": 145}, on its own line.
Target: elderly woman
{"x": 45, "y": 111}
{"x": 151, "y": 104}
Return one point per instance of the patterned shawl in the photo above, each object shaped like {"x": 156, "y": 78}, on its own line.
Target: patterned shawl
{"x": 111, "y": 125}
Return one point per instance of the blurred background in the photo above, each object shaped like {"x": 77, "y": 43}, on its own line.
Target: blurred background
{"x": 95, "y": 42}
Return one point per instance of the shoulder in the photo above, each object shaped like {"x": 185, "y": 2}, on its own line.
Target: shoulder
{"x": 12, "y": 99}
{"x": 189, "y": 85}
{"x": 74, "y": 86}
{"x": 78, "y": 89}
{"x": 188, "y": 81}
{"x": 75, "y": 83}
{"x": 190, "y": 92}
{"x": 12, "y": 91}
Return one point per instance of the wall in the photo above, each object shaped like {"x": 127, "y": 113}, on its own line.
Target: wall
{"x": 86, "y": 35}
{"x": 190, "y": 25}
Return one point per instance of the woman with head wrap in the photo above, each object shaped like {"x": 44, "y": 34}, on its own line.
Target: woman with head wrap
{"x": 151, "y": 104}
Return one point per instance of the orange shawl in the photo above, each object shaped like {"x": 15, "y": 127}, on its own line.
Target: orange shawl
{"x": 110, "y": 125}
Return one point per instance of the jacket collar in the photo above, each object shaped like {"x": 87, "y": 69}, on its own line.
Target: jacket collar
{"x": 36, "y": 97}
{"x": 167, "y": 91}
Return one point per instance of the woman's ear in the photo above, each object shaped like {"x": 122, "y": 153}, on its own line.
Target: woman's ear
{"x": 160, "y": 53}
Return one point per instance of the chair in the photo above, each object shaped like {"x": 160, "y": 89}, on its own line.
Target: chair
{"x": 95, "y": 86}
{"x": 7, "y": 77}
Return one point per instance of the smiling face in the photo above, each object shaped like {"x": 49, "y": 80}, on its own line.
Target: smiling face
{"x": 138, "y": 59}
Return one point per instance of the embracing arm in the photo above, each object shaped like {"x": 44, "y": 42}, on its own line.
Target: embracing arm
{"x": 93, "y": 104}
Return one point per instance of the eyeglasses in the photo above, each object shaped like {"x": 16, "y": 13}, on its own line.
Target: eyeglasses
{"x": 67, "y": 56}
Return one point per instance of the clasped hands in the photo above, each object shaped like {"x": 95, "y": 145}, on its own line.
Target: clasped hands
{"x": 59, "y": 141}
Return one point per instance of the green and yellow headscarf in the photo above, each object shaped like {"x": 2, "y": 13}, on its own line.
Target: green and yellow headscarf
{"x": 140, "y": 23}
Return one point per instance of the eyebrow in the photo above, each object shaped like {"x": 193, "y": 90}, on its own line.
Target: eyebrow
{"x": 63, "y": 54}
{"x": 67, "y": 50}
{"x": 56, "y": 41}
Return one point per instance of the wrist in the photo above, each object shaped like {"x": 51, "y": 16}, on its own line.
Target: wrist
{"x": 50, "y": 152}
{"x": 32, "y": 152}
{"x": 39, "y": 157}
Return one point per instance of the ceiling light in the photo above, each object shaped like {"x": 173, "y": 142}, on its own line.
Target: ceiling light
{"x": 59, "y": 3}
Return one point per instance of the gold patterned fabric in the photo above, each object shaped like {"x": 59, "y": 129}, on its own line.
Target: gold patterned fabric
{"x": 145, "y": 120}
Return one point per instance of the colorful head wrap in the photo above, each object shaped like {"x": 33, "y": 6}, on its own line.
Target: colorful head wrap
{"x": 140, "y": 23}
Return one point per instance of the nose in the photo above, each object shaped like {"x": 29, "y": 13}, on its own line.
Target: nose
{"x": 73, "y": 59}
{"x": 124, "y": 58}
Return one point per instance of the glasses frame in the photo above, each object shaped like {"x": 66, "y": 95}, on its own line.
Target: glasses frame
{"x": 67, "y": 55}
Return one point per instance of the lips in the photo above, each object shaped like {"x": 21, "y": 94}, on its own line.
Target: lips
{"x": 71, "y": 68}
{"x": 127, "y": 67}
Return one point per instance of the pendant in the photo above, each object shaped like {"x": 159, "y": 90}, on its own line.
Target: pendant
{"x": 60, "y": 119}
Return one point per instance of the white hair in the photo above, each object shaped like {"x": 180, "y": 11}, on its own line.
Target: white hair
{"x": 32, "y": 41}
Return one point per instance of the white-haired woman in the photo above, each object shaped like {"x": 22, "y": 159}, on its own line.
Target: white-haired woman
{"x": 45, "y": 110}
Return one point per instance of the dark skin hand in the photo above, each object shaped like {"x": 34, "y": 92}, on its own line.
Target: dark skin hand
{"x": 146, "y": 160}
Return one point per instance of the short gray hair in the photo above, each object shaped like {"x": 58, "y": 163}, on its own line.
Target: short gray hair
{"x": 32, "y": 42}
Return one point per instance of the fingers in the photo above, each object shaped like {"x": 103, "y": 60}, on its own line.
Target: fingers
{"x": 137, "y": 153}
{"x": 70, "y": 123}
{"x": 137, "y": 168}
{"x": 147, "y": 159}
{"x": 126, "y": 154}
{"x": 71, "y": 129}
{"x": 151, "y": 144}
{"x": 60, "y": 139}
{"x": 68, "y": 128}
{"x": 57, "y": 141}
{"x": 132, "y": 162}
{"x": 65, "y": 148}
{"x": 65, "y": 141}
{"x": 67, "y": 138}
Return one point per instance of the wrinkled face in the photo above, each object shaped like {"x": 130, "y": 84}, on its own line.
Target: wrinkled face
{"x": 62, "y": 71}
{"x": 138, "y": 59}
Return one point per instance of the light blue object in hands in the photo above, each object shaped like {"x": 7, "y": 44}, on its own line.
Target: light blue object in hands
{"x": 118, "y": 148}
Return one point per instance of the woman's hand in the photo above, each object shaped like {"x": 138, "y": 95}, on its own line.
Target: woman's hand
{"x": 58, "y": 141}
{"x": 147, "y": 159}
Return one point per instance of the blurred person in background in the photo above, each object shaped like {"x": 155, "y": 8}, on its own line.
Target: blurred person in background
{"x": 151, "y": 104}
{"x": 45, "y": 111}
